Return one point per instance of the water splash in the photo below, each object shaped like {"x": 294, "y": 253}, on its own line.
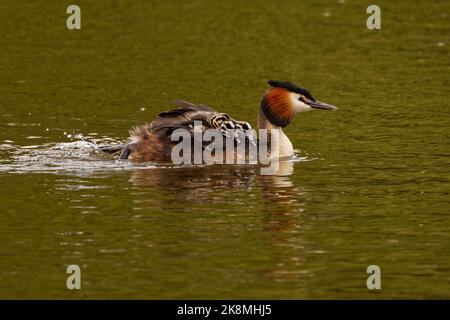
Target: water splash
{"x": 81, "y": 157}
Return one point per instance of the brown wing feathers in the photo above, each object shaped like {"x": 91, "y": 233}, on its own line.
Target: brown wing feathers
{"x": 151, "y": 142}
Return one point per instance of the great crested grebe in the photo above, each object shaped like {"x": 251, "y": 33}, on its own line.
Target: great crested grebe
{"x": 279, "y": 104}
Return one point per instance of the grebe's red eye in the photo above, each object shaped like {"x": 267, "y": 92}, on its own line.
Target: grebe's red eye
{"x": 302, "y": 99}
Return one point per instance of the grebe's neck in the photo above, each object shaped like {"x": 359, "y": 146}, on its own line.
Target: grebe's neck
{"x": 284, "y": 145}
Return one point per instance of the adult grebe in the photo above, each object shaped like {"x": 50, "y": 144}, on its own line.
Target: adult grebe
{"x": 279, "y": 104}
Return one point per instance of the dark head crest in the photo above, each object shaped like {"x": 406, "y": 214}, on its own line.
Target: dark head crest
{"x": 292, "y": 88}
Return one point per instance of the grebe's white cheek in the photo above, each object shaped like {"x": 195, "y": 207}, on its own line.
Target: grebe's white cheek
{"x": 299, "y": 106}
{"x": 302, "y": 107}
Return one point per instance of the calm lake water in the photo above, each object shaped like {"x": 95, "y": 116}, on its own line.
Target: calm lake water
{"x": 371, "y": 185}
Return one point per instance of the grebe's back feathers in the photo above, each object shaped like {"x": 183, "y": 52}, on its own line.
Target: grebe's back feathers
{"x": 121, "y": 151}
{"x": 153, "y": 141}
{"x": 183, "y": 117}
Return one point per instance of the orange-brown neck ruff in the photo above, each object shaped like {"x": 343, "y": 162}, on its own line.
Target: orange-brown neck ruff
{"x": 276, "y": 105}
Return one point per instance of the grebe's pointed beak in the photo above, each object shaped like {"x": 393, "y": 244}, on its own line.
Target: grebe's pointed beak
{"x": 322, "y": 105}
